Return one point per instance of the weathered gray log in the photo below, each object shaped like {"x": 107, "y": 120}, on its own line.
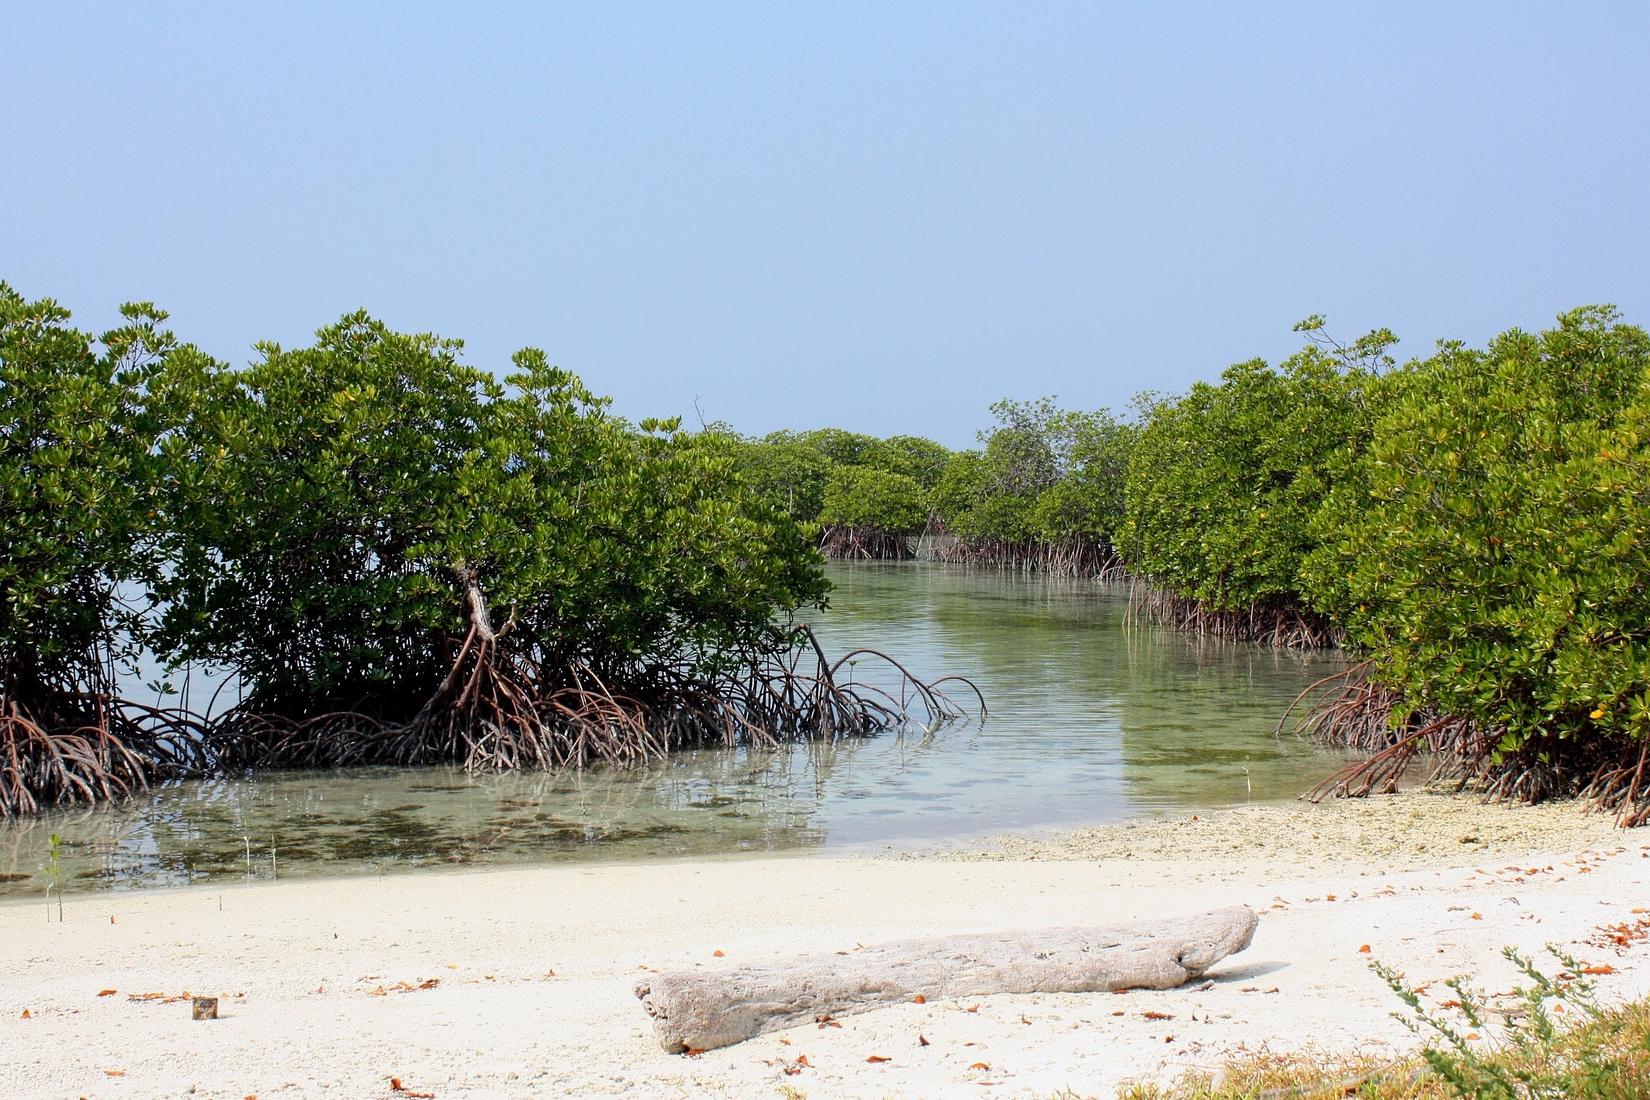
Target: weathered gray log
{"x": 709, "y": 1009}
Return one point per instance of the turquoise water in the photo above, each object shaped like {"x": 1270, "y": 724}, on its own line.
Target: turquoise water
{"x": 1091, "y": 720}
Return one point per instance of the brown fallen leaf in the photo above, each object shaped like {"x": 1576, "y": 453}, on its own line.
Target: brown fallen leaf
{"x": 1364, "y": 950}
{"x": 114, "y": 1073}
{"x": 27, "y": 1015}
{"x": 979, "y": 1065}
{"x": 718, "y": 954}
{"x": 1119, "y": 1012}
{"x": 921, "y": 1040}
{"x": 1154, "y": 1015}
{"x": 876, "y": 1059}
{"x": 429, "y": 983}
{"x": 1168, "y": 1038}
{"x": 107, "y": 992}
{"x": 1478, "y": 916}
{"x": 972, "y": 1008}
{"x": 1606, "y": 968}
{"x": 693, "y": 1052}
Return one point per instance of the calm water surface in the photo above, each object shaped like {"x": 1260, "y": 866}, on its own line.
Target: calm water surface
{"x": 1092, "y": 720}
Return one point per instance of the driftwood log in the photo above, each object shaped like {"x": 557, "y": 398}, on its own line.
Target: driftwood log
{"x": 705, "y": 1010}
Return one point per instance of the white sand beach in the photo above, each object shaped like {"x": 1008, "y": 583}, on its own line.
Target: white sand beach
{"x": 518, "y": 982}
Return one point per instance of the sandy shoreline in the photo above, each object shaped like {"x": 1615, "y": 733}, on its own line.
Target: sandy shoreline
{"x": 532, "y": 968}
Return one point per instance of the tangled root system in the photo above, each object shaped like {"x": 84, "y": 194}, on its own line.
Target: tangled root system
{"x": 1352, "y": 709}
{"x": 498, "y": 709}
{"x": 840, "y": 542}
{"x": 1068, "y": 558}
{"x": 1278, "y": 623}
{"x": 67, "y": 748}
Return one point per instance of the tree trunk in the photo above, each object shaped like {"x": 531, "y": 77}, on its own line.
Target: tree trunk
{"x": 701, "y": 1011}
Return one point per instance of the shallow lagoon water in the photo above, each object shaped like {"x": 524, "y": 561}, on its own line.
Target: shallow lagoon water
{"x": 1092, "y": 719}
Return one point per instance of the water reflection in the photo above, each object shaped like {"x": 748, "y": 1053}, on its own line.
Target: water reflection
{"x": 1091, "y": 720}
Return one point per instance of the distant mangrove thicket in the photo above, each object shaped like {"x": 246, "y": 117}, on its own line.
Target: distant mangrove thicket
{"x": 1043, "y": 492}
{"x": 1474, "y": 525}
{"x": 398, "y": 557}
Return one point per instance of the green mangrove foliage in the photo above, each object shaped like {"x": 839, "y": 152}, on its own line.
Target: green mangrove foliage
{"x": 868, "y": 512}
{"x": 865, "y": 494}
{"x": 1044, "y": 492}
{"x": 1225, "y": 481}
{"x": 397, "y": 557}
{"x": 77, "y": 532}
{"x": 781, "y": 468}
{"x": 407, "y": 561}
{"x": 1493, "y": 545}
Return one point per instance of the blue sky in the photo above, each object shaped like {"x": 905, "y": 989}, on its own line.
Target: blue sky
{"x": 876, "y": 216}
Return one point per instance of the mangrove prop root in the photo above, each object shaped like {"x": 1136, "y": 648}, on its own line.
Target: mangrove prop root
{"x": 499, "y": 708}
{"x": 699, "y": 1010}
{"x": 844, "y": 543}
{"x": 70, "y": 747}
{"x": 1067, "y": 558}
{"x": 1278, "y": 623}
{"x": 1611, "y": 774}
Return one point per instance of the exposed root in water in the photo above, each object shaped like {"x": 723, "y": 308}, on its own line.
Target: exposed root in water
{"x": 840, "y": 542}
{"x": 1352, "y": 709}
{"x": 1273, "y": 623}
{"x": 1068, "y": 558}
{"x": 501, "y": 708}
{"x": 68, "y": 748}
